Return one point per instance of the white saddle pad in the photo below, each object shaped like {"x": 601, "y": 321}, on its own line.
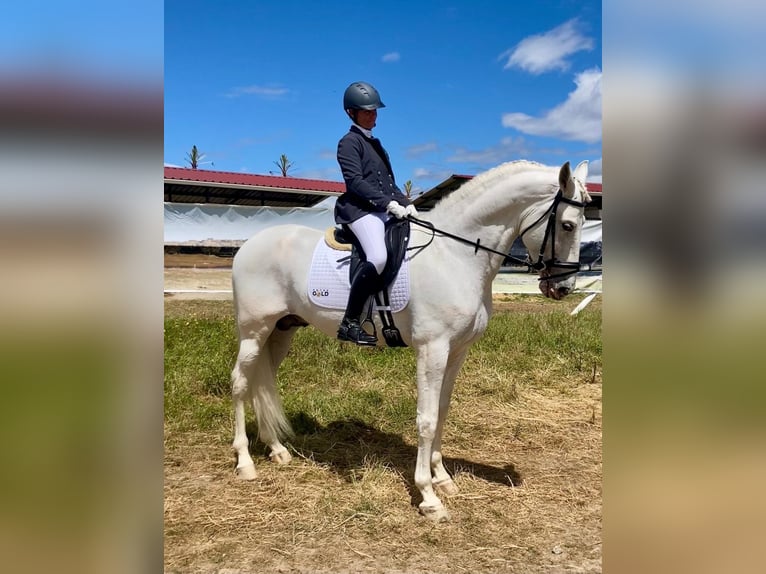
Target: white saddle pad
{"x": 328, "y": 280}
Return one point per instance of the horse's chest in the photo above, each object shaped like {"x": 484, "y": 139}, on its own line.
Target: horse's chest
{"x": 481, "y": 320}
{"x": 473, "y": 325}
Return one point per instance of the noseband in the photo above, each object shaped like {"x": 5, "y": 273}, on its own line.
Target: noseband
{"x": 550, "y": 233}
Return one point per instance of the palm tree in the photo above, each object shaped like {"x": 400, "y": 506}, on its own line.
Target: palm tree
{"x": 194, "y": 158}
{"x": 283, "y": 164}
{"x": 408, "y": 188}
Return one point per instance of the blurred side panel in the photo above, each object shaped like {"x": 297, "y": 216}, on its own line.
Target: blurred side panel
{"x": 80, "y": 289}
{"x": 685, "y": 228}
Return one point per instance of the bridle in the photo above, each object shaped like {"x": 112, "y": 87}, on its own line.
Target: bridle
{"x": 550, "y": 233}
{"x": 571, "y": 267}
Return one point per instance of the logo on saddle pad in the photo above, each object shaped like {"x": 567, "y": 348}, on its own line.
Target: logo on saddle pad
{"x": 328, "y": 280}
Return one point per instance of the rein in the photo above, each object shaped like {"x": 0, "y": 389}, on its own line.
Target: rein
{"x": 541, "y": 263}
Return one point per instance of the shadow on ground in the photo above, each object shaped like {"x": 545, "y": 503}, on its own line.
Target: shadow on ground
{"x": 344, "y": 446}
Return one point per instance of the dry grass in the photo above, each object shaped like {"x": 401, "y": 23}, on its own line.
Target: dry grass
{"x": 526, "y": 455}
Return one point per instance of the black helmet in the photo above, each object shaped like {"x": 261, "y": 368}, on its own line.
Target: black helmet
{"x": 362, "y": 96}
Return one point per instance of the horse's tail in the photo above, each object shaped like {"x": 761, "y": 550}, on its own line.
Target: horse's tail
{"x": 254, "y": 375}
{"x": 272, "y": 422}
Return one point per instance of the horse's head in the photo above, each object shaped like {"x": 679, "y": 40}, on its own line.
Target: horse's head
{"x": 553, "y": 239}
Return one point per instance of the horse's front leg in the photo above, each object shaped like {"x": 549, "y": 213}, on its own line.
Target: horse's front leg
{"x": 432, "y": 361}
{"x": 441, "y": 478}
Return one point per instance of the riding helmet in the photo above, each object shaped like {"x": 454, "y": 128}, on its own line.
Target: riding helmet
{"x": 362, "y": 96}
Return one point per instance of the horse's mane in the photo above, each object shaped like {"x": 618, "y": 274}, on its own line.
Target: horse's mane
{"x": 479, "y": 183}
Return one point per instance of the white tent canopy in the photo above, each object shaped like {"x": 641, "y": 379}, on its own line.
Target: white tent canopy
{"x": 192, "y": 223}
{"x": 195, "y": 223}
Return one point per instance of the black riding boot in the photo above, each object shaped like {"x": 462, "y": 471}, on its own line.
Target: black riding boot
{"x": 364, "y": 285}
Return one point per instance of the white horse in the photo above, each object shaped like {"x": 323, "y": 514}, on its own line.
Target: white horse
{"x": 449, "y": 307}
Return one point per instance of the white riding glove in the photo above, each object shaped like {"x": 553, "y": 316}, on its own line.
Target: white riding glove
{"x": 411, "y": 211}
{"x": 397, "y": 210}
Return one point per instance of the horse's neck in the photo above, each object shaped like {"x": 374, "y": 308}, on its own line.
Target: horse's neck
{"x": 493, "y": 213}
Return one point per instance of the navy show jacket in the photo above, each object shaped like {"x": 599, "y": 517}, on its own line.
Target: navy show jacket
{"x": 370, "y": 184}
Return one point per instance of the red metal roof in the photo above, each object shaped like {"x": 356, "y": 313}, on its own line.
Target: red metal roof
{"x": 250, "y": 179}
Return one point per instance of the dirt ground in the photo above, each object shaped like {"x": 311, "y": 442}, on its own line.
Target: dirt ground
{"x": 197, "y": 276}
{"x": 197, "y": 261}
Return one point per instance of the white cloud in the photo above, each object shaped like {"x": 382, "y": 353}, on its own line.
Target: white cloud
{"x": 430, "y": 174}
{"x": 419, "y": 150}
{"x": 509, "y": 148}
{"x": 327, "y": 154}
{"x": 548, "y": 51}
{"x": 391, "y": 57}
{"x": 577, "y": 119}
{"x": 262, "y": 91}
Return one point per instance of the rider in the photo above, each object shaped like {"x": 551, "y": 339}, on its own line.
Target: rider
{"x": 371, "y": 197}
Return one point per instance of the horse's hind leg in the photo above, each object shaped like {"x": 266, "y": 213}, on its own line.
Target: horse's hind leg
{"x": 254, "y": 378}
{"x": 441, "y": 478}
{"x": 242, "y": 376}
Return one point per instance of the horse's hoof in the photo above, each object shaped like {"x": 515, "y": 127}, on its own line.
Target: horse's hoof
{"x": 435, "y": 513}
{"x": 246, "y": 472}
{"x": 447, "y": 487}
{"x": 281, "y": 457}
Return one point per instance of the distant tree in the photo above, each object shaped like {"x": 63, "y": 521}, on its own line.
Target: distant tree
{"x": 408, "y": 188}
{"x": 194, "y": 157}
{"x": 284, "y": 164}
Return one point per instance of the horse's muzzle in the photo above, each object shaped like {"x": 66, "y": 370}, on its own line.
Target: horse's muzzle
{"x": 555, "y": 289}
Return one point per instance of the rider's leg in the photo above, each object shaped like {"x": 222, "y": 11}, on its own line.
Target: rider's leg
{"x": 369, "y": 230}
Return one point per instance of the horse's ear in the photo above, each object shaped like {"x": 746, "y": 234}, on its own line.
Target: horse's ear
{"x": 565, "y": 180}
{"x": 581, "y": 171}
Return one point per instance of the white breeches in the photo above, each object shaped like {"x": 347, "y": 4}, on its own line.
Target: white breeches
{"x": 370, "y": 231}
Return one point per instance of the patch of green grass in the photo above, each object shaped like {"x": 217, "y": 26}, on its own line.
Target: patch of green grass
{"x": 525, "y": 343}
{"x": 199, "y": 355}
{"x": 323, "y": 381}
{"x": 330, "y": 381}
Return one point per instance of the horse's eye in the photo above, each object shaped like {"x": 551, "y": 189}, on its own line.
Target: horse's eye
{"x": 568, "y": 226}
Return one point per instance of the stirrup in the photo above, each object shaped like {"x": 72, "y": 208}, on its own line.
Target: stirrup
{"x": 352, "y": 331}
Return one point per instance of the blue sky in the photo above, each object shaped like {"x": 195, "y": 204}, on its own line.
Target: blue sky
{"x": 111, "y": 42}
{"x": 467, "y": 84}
